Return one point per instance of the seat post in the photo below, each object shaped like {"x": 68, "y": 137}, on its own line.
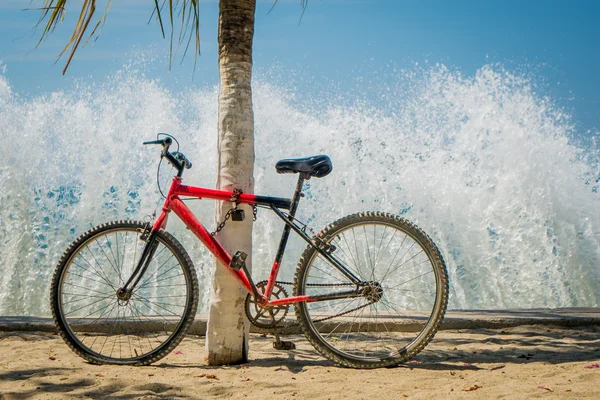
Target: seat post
{"x": 298, "y": 193}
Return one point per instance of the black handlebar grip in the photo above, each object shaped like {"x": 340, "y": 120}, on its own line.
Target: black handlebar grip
{"x": 165, "y": 142}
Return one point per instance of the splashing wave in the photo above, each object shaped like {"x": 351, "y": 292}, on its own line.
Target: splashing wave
{"x": 484, "y": 164}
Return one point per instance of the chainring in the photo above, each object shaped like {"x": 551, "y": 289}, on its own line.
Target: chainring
{"x": 266, "y": 318}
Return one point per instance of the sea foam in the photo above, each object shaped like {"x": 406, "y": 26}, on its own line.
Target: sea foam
{"x": 487, "y": 166}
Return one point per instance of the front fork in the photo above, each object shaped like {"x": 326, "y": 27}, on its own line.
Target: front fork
{"x": 124, "y": 293}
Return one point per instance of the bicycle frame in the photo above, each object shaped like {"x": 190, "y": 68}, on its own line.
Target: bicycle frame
{"x": 174, "y": 203}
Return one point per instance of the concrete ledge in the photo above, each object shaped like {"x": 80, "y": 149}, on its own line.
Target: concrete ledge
{"x": 475, "y": 319}
{"x": 26, "y": 324}
{"x": 454, "y": 319}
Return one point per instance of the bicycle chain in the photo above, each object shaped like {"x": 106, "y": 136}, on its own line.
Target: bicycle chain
{"x": 317, "y": 284}
{"x": 287, "y": 329}
{"x": 344, "y": 313}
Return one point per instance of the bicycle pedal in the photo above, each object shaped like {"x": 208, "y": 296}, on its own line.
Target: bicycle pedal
{"x": 284, "y": 345}
{"x": 238, "y": 261}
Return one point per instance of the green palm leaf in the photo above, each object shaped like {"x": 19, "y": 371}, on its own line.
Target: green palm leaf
{"x": 53, "y": 13}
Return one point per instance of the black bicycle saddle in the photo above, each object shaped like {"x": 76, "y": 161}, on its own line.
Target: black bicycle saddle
{"x": 317, "y": 166}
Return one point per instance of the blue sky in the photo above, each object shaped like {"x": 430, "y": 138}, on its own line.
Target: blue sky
{"x": 337, "y": 41}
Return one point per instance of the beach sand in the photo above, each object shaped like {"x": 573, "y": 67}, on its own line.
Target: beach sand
{"x": 517, "y": 363}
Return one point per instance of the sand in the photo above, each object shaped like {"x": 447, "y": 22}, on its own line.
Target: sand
{"x": 516, "y": 363}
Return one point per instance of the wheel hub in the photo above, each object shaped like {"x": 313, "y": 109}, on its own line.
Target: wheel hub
{"x": 372, "y": 291}
{"x": 123, "y": 295}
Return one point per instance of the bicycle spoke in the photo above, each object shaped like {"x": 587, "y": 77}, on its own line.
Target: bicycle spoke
{"x": 97, "y": 263}
{"x": 87, "y": 278}
{"x": 385, "y": 274}
{"x": 165, "y": 286}
{"x": 113, "y": 254}
{"x": 87, "y": 305}
{"x": 399, "y": 266}
{"x": 356, "y": 261}
{"x": 151, "y": 323}
{"x": 156, "y": 304}
{"x": 150, "y": 278}
{"x": 88, "y": 289}
{"x": 368, "y": 252}
{"x": 83, "y": 298}
{"x": 95, "y": 271}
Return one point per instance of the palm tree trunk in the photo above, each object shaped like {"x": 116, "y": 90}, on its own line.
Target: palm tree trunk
{"x": 228, "y": 329}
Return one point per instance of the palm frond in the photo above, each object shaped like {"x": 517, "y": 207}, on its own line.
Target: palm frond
{"x": 54, "y": 12}
{"x": 303, "y": 5}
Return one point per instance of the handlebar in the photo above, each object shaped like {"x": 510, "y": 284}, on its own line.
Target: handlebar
{"x": 176, "y": 158}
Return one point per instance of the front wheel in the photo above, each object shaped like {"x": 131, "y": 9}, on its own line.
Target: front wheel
{"x": 102, "y": 325}
{"x": 395, "y": 309}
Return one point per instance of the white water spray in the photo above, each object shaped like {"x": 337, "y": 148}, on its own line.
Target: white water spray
{"x": 483, "y": 164}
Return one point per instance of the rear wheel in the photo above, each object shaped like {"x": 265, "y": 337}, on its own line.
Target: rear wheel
{"x": 107, "y": 328}
{"x": 397, "y": 308}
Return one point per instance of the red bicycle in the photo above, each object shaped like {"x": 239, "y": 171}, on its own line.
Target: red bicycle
{"x": 370, "y": 289}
